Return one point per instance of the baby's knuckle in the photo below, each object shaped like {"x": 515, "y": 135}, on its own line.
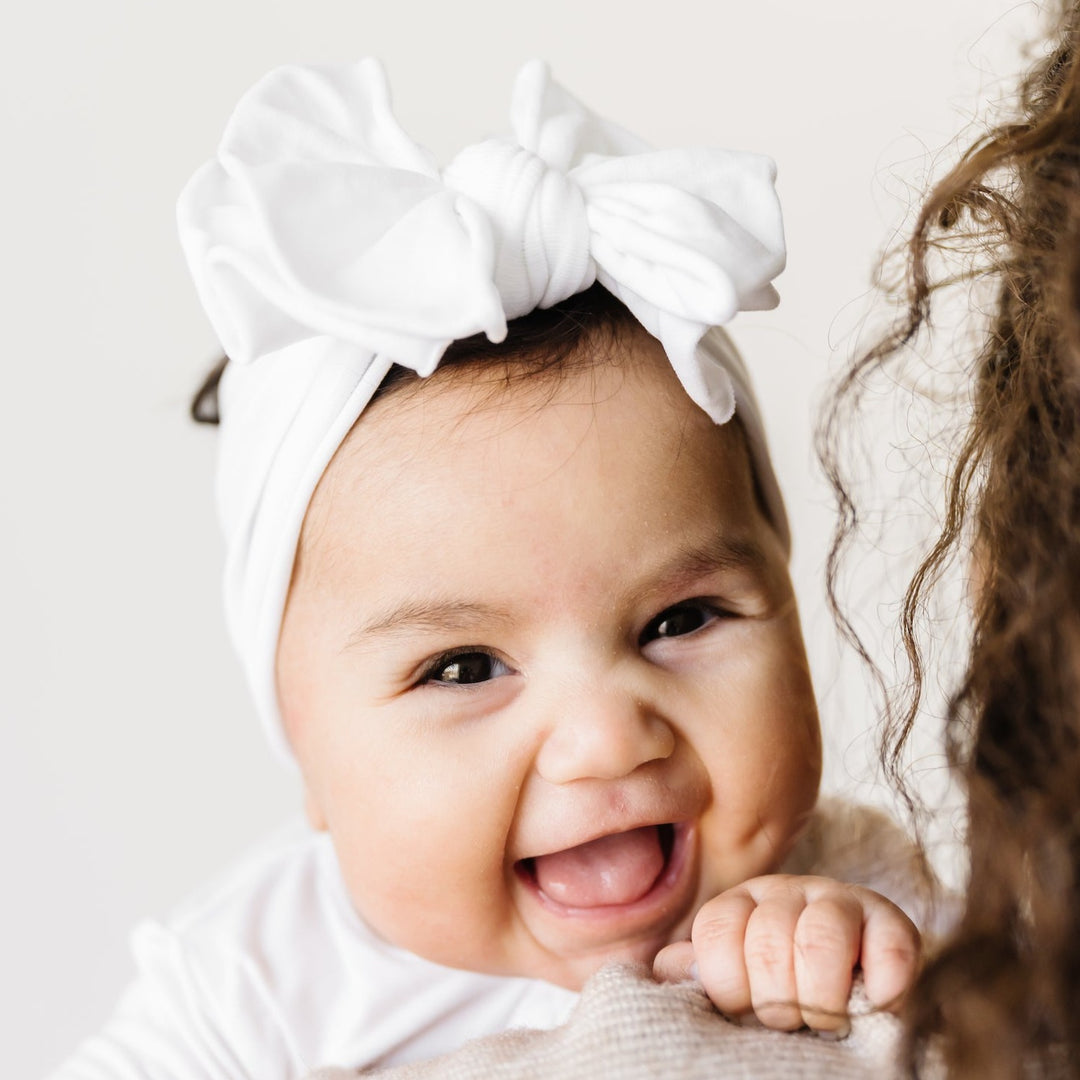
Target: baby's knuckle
{"x": 823, "y": 928}
{"x": 903, "y": 952}
{"x": 826, "y": 947}
{"x": 783, "y": 887}
{"x": 721, "y": 926}
{"x": 768, "y": 953}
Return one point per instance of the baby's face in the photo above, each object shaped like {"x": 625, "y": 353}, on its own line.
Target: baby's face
{"x": 542, "y": 670}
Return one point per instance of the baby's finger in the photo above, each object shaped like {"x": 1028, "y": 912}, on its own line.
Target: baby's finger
{"x": 675, "y": 963}
{"x": 891, "y": 948}
{"x": 827, "y": 939}
{"x": 718, "y": 935}
{"x": 770, "y": 958}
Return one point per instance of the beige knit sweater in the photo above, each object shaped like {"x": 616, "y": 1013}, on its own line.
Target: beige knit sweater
{"x": 627, "y": 1027}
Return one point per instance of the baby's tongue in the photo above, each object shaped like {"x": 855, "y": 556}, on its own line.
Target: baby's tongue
{"x": 616, "y": 869}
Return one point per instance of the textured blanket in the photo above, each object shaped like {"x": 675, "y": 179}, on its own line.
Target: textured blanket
{"x": 627, "y": 1027}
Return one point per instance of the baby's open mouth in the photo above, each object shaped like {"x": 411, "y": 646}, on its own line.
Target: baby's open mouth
{"x": 617, "y": 869}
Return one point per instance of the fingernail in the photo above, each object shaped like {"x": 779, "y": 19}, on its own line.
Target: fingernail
{"x": 693, "y": 972}
{"x": 835, "y": 1035}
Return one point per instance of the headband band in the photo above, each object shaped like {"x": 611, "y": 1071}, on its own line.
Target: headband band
{"x": 326, "y": 246}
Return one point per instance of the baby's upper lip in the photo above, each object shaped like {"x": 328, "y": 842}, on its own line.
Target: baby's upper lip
{"x": 587, "y": 810}
{"x": 605, "y": 825}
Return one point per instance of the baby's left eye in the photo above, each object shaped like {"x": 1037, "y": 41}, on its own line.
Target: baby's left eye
{"x": 464, "y": 668}
{"x": 680, "y": 620}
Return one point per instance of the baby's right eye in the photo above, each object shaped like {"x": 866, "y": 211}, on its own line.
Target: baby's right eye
{"x": 681, "y": 620}
{"x": 463, "y": 668}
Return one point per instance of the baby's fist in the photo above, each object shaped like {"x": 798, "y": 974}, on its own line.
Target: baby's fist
{"x": 785, "y": 949}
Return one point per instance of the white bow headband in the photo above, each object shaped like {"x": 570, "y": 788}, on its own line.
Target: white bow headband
{"x": 326, "y": 246}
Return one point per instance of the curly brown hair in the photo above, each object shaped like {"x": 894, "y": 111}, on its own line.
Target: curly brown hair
{"x": 1002, "y": 998}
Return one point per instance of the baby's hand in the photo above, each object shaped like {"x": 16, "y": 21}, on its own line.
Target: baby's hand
{"x": 785, "y": 948}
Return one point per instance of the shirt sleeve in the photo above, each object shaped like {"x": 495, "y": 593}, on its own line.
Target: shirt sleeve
{"x": 190, "y": 1014}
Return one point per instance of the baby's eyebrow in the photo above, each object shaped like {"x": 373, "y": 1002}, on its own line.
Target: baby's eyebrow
{"x": 715, "y": 553}
{"x": 426, "y": 616}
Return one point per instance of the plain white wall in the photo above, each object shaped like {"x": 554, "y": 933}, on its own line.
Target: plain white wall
{"x": 131, "y": 765}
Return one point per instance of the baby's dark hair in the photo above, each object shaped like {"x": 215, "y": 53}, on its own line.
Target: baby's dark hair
{"x": 540, "y": 341}
{"x": 1001, "y": 1000}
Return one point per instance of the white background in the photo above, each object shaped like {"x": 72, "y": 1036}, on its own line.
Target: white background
{"x": 131, "y": 766}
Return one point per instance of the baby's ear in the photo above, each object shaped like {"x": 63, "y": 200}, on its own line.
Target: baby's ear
{"x": 313, "y": 811}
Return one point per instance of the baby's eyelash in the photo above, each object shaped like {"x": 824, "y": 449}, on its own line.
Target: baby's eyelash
{"x": 669, "y": 618}
{"x": 488, "y": 667}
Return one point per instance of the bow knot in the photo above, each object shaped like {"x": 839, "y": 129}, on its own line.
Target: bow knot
{"x": 538, "y": 216}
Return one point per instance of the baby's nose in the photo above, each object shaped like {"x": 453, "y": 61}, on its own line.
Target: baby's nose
{"x": 603, "y": 735}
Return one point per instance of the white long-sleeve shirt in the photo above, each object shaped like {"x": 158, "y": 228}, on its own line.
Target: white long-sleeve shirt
{"x": 270, "y": 972}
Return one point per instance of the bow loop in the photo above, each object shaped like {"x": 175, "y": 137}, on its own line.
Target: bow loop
{"x": 554, "y": 125}
{"x": 323, "y": 114}
{"x": 693, "y": 234}
{"x": 318, "y": 219}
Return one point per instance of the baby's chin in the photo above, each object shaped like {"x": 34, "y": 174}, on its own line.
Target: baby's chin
{"x": 570, "y": 968}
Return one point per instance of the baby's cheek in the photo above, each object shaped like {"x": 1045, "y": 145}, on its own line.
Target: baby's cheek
{"x": 764, "y": 789}
{"x": 452, "y": 919}
{"x": 427, "y": 875}
{"x": 794, "y": 726}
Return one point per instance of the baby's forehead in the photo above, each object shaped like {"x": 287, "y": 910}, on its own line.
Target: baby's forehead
{"x": 601, "y": 421}
{"x": 478, "y": 399}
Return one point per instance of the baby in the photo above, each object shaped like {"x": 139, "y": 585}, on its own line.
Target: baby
{"x": 507, "y": 573}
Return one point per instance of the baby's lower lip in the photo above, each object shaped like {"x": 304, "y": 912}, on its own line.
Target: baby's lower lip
{"x": 658, "y": 900}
